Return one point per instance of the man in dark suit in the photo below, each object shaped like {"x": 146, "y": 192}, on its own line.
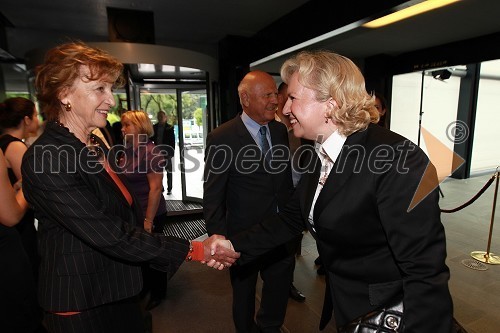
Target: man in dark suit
{"x": 164, "y": 137}
{"x": 294, "y": 143}
{"x": 244, "y": 183}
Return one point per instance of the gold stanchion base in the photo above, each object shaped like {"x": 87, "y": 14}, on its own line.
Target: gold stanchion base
{"x": 474, "y": 264}
{"x": 490, "y": 258}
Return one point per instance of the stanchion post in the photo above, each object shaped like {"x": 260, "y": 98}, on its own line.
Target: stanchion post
{"x": 487, "y": 257}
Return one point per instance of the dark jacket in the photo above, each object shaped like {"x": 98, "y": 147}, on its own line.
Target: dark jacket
{"x": 167, "y": 145}
{"x": 372, "y": 245}
{"x": 238, "y": 191}
{"x": 90, "y": 247}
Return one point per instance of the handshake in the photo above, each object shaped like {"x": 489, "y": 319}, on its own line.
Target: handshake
{"x": 218, "y": 252}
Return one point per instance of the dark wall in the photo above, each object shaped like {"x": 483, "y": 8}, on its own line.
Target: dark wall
{"x": 317, "y": 17}
{"x": 458, "y": 53}
{"x": 380, "y": 69}
{"x": 131, "y": 26}
{"x": 235, "y": 56}
{"x": 314, "y": 18}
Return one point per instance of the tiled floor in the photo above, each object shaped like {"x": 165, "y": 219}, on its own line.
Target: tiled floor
{"x": 199, "y": 299}
{"x": 476, "y": 294}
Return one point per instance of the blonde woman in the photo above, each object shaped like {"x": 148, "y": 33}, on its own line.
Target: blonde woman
{"x": 379, "y": 248}
{"x": 143, "y": 165}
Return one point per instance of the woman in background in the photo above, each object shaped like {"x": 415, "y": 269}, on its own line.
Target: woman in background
{"x": 18, "y": 121}
{"x": 381, "y": 106}
{"x": 19, "y": 310}
{"x": 143, "y": 166}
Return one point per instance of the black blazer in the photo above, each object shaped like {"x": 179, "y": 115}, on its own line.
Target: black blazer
{"x": 90, "y": 246}
{"x": 168, "y": 139}
{"x": 372, "y": 247}
{"x": 238, "y": 190}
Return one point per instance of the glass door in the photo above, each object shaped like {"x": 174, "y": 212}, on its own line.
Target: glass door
{"x": 192, "y": 113}
{"x": 186, "y": 111}
{"x": 424, "y": 109}
{"x": 426, "y": 100}
{"x": 157, "y": 98}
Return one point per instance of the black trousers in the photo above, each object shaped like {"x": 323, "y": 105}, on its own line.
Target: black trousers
{"x": 276, "y": 271}
{"x": 155, "y": 281}
{"x": 168, "y": 169}
{"x": 123, "y": 316}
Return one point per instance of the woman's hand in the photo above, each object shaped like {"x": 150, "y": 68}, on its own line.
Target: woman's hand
{"x": 219, "y": 252}
{"x": 148, "y": 225}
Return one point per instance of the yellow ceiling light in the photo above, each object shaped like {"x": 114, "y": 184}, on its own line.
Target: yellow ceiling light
{"x": 402, "y": 14}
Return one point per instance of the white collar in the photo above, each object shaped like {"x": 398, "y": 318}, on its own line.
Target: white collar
{"x": 332, "y": 146}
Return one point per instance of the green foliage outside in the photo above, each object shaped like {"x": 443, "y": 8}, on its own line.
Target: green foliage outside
{"x": 18, "y": 94}
{"x": 120, "y": 106}
{"x": 198, "y": 116}
{"x": 152, "y": 103}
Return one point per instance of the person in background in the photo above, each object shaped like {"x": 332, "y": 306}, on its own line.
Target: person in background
{"x": 379, "y": 246}
{"x": 18, "y": 121}
{"x": 91, "y": 237}
{"x": 381, "y": 106}
{"x": 294, "y": 143}
{"x": 244, "y": 184}
{"x": 105, "y": 134}
{"x": 12, "y": 202}
{"x": 33, "y": 136}
{"x": 116, "y": 128}
{"x": 142, "y": 165}
{"x": 19, "y": 310}
{"x": 164, "y": 138}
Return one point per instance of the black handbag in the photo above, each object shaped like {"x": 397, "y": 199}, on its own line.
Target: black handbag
{"x": 388, "y": 319}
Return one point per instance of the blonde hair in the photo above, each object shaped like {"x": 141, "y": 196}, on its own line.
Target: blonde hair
{"x": 139, "y": 119}
{"x": 335, "y": 76}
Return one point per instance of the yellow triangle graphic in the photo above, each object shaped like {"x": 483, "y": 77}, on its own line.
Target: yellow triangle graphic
{"x": 444, "y": 162}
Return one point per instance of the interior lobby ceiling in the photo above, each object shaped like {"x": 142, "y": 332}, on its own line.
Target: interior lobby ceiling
{"x": 199, "y": 25}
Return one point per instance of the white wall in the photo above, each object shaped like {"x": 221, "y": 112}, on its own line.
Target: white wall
{"x": 440, "y": 102}
{"x": 486, "y": 146}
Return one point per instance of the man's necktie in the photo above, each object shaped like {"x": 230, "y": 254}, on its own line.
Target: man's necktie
{"x": 264, "y": 144}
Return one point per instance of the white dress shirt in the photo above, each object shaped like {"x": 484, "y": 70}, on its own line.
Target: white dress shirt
{"x": 328, "y": 152}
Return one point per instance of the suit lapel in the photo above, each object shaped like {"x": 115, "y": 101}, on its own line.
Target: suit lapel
{"x": 310, "y": 181}
{"x": 243, "y": 134}
{"x": 351, "y": 155}
{"x": 280, "y": 148}
{"x": 276, "y": 139}
{"x": 89, "y": 163}
{"x": 104, "y": 176}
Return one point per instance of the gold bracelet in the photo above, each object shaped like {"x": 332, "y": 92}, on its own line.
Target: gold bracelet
{"x": 148, "y": 220}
